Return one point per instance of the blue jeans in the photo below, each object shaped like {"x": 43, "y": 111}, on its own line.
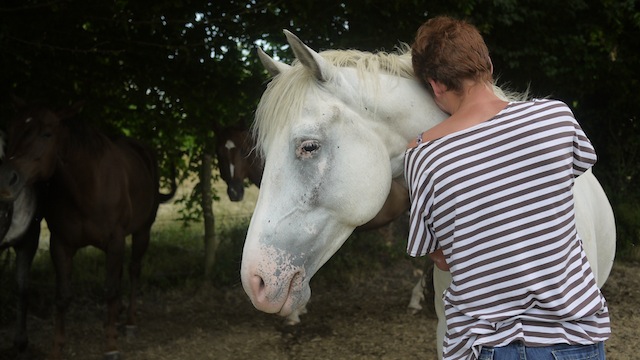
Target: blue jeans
{"x": 517, "y": 351}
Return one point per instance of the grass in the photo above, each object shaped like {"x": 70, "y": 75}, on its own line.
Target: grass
{"x": 175, "y": 259}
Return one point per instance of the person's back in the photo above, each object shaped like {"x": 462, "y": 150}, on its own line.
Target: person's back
{"x": 494, "y": 198}
{"x": 492, "y": 202}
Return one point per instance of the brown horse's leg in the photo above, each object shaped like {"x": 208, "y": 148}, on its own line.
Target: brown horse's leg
{"x": 115, "y": 260}
{"x": 62, "y": 257}
{"x": 139, "y": 245}
{"x": 25, "y": 252}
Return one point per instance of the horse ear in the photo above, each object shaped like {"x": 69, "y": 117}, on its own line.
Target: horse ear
{"x": 308, "y": 57}
{"x": 273, "y": 67}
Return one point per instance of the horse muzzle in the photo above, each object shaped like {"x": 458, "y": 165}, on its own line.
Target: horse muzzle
{"x": 277, "y": 288}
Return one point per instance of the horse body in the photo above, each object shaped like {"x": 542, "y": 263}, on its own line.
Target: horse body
{"x": 99, "y": 190}
{"x": 333, "y": 129}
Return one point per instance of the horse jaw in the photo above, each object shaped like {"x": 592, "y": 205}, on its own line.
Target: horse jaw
{"x": 277, "y": 279}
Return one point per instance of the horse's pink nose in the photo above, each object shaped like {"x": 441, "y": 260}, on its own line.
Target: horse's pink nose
{"x": 271, "y": 296}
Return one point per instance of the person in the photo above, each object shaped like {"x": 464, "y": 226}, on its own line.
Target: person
{"x": 492, "y": 202}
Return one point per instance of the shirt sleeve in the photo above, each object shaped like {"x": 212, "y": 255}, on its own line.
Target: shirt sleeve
{"x": 584, "y": 155}
{"x": 421, "y": 240}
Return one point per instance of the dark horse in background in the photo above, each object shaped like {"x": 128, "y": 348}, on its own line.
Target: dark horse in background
{"x": 20, "y": 230}
{"x": 99, "y": 189}
{"x": 237, "y": 161}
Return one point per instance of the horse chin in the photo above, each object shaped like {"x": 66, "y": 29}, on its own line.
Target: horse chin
{"x": 296, "y": 301}
{"x": 236, "y": 193}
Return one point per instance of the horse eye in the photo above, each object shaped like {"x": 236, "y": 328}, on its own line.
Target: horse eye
{"x": 310, "y": 146}
{"x": 307, "y": 148}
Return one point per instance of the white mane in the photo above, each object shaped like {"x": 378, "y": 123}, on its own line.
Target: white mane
{"x": 282, "y": 100}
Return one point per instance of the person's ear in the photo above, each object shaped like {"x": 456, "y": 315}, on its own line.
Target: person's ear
{"x": 438, "y": 88}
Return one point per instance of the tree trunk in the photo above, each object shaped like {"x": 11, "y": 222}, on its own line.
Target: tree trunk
{"x": 210, "y": 240}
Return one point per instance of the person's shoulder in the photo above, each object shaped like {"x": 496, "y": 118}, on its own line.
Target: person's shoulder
{"x": 548, "y": 102}
{"x": 537, "y": 104}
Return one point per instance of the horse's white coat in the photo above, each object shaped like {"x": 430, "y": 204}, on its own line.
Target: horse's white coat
{"x": 24, "y": 207}
{"x": 333, "y": 138}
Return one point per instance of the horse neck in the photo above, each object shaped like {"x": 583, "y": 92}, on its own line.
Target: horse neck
{"x": 403, "y": 113}
{"x": 79, "y": 152}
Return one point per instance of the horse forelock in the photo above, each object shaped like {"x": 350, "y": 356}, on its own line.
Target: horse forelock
{"x": 284, "y": 97}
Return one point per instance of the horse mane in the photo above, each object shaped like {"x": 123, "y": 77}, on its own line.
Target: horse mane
{"x": 85, "y": 136}
{"x": 284, "y": 96}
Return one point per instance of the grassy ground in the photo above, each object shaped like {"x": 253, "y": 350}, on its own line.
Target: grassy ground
{"x": 175, "y": 257}
{"x": 358, "y": 307}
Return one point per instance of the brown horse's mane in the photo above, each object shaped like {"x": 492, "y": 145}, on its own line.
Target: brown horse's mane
{"x": 88, "y": 136}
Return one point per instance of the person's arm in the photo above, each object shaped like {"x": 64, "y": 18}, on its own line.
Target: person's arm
{"x": 438, "y": 259}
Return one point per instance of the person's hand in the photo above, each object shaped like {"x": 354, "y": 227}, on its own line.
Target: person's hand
{"x": 439, "y": 260}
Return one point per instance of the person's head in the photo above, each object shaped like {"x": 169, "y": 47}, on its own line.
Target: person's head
{"x": 449, "y": 51}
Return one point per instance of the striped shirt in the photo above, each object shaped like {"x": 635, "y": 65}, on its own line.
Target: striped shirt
{"x": 497, "y": 199}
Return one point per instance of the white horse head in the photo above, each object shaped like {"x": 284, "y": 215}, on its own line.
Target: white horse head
{"x": 333, "y": 129}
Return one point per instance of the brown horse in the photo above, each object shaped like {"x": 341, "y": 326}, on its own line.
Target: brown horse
{"x": 99, "y": 190}
{"x": 238, "y": 161}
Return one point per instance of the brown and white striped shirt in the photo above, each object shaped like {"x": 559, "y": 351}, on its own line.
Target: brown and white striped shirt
{"x": 497, "y": 199}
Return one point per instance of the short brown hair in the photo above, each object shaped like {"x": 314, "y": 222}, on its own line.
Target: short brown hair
{"x": 449, "y": 51}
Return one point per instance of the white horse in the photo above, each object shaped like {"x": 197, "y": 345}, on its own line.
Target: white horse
{"x": 20, "y": 229}
{"x": 333, "y": 129}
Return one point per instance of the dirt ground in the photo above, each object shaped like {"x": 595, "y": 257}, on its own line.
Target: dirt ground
{"x": 364, "y": 319}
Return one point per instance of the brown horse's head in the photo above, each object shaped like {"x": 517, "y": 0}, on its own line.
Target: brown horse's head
{"x": 237, "y": 161}
{"x": 32, "y": 148}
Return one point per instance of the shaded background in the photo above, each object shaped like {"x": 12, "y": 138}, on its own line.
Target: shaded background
{"x": 172, "y": 71}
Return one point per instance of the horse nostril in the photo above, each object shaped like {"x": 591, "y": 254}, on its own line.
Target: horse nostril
{"x": 258, "y": 287}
